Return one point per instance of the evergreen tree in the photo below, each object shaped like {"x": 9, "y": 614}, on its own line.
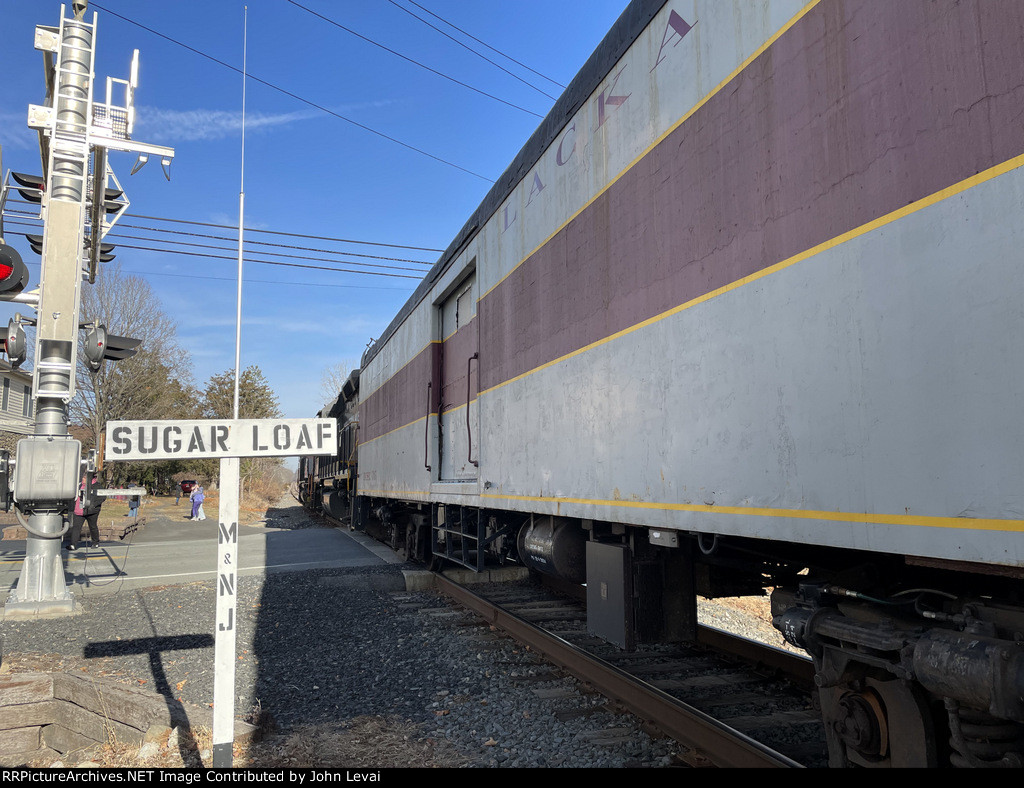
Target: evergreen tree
{"x": 256, "y": 399}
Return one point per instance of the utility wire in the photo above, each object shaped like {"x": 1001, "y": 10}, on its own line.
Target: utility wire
{"x": 466, "y": 46}
{"x": 253, "y": 243}
{"x": 117, "y": 236}
{"x": 268, "y": 262}
{"x": 419, "y": 274}
{"x": 275, "y": 282}
{"x": 350, "y": 31}
{"x": 295, "y": 95}
{"x": 483, "y": 43}
{"x": 280, "y": 232}
{"x": 32, "y": 216}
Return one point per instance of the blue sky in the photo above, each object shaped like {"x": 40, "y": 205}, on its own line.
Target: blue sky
{"x": 306, "y": 171}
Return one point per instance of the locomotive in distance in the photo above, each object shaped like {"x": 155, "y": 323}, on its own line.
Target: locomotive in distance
{"x": 743, "y": 315}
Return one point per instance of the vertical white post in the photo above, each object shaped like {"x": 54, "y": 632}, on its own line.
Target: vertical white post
{"x": 227, "y": 542}
{"x": 241, "y": 219}
{"x": 227, "y": 597}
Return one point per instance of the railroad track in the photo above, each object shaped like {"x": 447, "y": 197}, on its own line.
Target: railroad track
{"x": 731, "y": 702}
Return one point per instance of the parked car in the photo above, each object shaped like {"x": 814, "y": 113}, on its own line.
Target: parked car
{"x": 186, "y": 486}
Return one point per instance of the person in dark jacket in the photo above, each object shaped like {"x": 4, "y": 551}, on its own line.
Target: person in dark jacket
{"x": 133, "y": 506}
{"x": 87, "y": 510}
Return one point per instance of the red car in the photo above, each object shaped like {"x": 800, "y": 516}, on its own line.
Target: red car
{"x": 186, "y": 486}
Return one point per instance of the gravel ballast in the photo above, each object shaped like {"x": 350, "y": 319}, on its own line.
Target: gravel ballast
{"x": 334, "y": 650}
{"x": 328, "y": 646}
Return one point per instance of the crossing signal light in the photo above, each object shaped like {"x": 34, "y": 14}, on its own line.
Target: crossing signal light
{"x": 100, "y": 346}
{"x": 14, "y": 342}
{"x": 13, "y": 273}
{"x": 112, "y": 202}
{"x": 106, "y": 250}
{"x": 33, "y": 186}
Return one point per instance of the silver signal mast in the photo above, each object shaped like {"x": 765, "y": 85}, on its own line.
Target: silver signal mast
{"x": 80, "y": 200}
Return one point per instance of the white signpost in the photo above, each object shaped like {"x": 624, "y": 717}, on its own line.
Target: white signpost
{"x": 228, "y": 440}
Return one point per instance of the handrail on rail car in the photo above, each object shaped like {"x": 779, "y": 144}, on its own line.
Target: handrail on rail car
{"x": 426, "y": 432}
{"x": 469, "y": 432}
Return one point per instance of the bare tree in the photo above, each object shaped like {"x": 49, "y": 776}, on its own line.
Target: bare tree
{"x": 333, "y": 377}
{"x": 154, "y": 383}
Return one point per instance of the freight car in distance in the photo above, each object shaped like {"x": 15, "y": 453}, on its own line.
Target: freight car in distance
{"x": 744, "y": 314}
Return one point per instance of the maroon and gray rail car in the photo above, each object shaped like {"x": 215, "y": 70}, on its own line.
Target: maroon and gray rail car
{"x": 745, "y": 313}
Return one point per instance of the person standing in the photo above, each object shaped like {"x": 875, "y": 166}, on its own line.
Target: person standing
{"x": 133, "y": 507}
{"x": 87, "y": 510}
{"x": 197, "y": 500}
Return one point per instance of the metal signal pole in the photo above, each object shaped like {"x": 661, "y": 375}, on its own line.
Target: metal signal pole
{"x": 75, "y": 131}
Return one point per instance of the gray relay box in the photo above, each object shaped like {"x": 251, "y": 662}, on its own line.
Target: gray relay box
{"x": 47, "y": 469}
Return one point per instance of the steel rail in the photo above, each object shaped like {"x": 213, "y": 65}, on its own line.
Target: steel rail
{"x": 718, "y": 743}
{"x": 796, "y": 668}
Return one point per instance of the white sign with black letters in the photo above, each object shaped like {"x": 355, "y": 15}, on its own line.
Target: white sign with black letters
{"x": 210, "y": 438}
{"x": 228, "y": 439}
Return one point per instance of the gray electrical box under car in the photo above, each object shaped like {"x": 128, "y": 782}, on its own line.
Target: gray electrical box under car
{"x": 610, "y": 594}
{"x": 47, "y": 470}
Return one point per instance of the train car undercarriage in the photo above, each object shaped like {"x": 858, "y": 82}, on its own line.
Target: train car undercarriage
{"x": 912, "y": 668}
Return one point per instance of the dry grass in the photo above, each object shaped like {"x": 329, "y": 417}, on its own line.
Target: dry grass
{"x": 252, "y": 508}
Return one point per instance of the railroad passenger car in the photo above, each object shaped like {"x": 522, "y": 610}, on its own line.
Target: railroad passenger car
{"x": 746, "y": 313}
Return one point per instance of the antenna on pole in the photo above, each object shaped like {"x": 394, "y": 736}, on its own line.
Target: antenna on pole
{"x": 224, "y": 643}
{"x": 241, "y": 217}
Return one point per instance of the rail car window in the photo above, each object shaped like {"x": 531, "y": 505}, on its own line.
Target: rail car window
{"x": 464, "y": 308}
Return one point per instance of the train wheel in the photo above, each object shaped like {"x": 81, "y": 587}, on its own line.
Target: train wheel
{"x": 878, "y": 723}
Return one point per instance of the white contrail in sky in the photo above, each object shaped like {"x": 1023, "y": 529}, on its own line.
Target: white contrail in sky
{"x": 207, "y": 124}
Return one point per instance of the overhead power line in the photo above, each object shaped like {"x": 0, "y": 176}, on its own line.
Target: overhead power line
{"x": 247, "y": 230}
{"x": 252, "y": 243}
{"x": 275, "y": 282}
{"x": 268, "y": 262}
{"x": 467, "y": 47}
{"x": 290, "y": 94}
{"x": 361, "y": 37}
{"x": 474, "y": 38}
{"x": 178, "y": 247}
{"x": 281, "y": 232}
{"x": 264, "y": 262}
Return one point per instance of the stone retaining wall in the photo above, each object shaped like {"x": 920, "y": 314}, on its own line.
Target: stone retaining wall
{"x": 60, "y": 715}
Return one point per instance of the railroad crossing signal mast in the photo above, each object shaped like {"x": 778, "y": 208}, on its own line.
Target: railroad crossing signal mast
{"x": 78, "y": 205}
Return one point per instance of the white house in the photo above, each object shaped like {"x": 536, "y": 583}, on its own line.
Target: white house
{"x": 17, "y": 417}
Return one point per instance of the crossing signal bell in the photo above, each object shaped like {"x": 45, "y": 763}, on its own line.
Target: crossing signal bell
{"x": 100, "y": 346}
{"x": 14, "y": 342}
